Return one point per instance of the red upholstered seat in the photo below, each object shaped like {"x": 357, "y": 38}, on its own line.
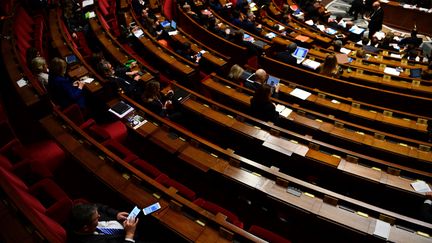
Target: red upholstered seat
{"x": 267, "y": 234}
{"x": 45, "y": 153}
{"x": 182, "y": 189}
{"x": 120, "y": 150}
{"x": 101, "y": 132}
{"x": 214, "y": 208}
{"x": 57, "y": 232}
{"x": 147, "y": 168}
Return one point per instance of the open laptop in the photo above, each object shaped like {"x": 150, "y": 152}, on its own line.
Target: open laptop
{"x": 272, "y": 81}
{"x": 71, "y": 59}
{"x": 300, "y": 54}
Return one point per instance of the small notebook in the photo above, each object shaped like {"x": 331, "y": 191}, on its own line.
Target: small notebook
{"x": 121, "y": 109}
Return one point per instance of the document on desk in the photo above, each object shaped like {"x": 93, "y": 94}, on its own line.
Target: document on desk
{"x": 299, "y": 93}
{"x": 396, "y": 55}
{"x": 421, "y": 186}
{"x": 345, "y": 50}
{"x": 391, "y": 71}
{"x": 285, "y": 112}
{"x": 382, "y": 229}
{"x": 280, "y": 108}
{"x": 311, "y": 64}
{"x": 21, "y": 83}
{"x": 86, "y": 3}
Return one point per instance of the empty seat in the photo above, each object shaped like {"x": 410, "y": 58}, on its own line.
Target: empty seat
{"x": 147, "y": 168}
{"x": 120, "y": 150}
{"x": 214, "y": 208}
{"x": 182, "y": 189}
{"x": 267, "y": 234}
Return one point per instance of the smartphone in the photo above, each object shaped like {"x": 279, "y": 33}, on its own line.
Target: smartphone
{"x": 134, "y": 213}
{"x": 150, "y": 209}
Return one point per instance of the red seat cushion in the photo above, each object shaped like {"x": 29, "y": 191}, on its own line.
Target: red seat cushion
{"x": 147, "y": 168}
{"x": 182, "y": 189}
{"x": 214, "y": 208}
{"x": 120, "y": 150}
{"x": 267, "y": 235}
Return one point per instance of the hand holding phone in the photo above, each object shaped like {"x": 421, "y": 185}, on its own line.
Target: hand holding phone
{"x": 134, "y": 213}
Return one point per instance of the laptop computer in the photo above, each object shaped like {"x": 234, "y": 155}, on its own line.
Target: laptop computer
{"x": 165, "y": 24}
{"x": 71, "y": 59}
{"x": 273, "y": 81}
{"x": 300, "y": 54}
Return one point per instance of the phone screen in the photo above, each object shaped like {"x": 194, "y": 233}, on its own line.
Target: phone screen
{"x": 134, "y": 213}
{"x": 150, "y": 209}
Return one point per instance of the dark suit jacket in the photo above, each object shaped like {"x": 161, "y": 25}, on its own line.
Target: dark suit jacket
{"x": 286, "y": 57}
{"x": 63, "y": 93}
{"x": 375, "y": 24}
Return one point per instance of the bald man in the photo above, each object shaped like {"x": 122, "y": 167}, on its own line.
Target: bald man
{"x": 376, "y": 19}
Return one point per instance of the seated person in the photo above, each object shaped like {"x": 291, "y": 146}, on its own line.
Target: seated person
{"x": 330, "y": 67}
{"x": 88, "y": 223}
{"x": 360, "y": 54}
{"x": 122, "y": 78}
{"x": 159, "y": 103}
{"x": 286, "y": 55}
{"x": 411, "y": 52}
{"x": 261, "y": 105}
{"x": 412, "y": 40}
{"x": 238, "y": 74}
{"x": 385, "y": 43}
{"x": 248, "y": 24}
{"x": 336, "y": 46}
{"x": 40, "y": 69}
{"x": 187, "y": 52}
{"x": 62, "y": 89}
{"x": 426, "y": 208}
{"x": 367, "y": 47}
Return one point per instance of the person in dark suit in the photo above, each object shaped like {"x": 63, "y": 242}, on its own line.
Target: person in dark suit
{"x": 86, "y": 220}
{"x": 375, "y": 19}
{"x": 61, "y": 88}
{"x": 286, "y": 55}
{"x": 356, "y": 8}
{"x": 122, "y": 78}
{"x": 261, "y": 105}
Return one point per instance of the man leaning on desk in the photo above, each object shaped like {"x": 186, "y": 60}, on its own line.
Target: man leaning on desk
{"x": 98, "y": 223}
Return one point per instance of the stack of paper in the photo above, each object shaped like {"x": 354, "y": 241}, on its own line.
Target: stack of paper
{"x": 283, "y": 111}
{"x": 299, "y": 93}
{"x": 421, "y": 186}
{"x": 345, "y": 50}
{"x": 311, "y": 64}
{"x": 391, "y": 71}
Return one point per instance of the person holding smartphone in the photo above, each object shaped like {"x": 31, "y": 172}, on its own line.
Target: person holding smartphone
{"x": 97, "y": 223}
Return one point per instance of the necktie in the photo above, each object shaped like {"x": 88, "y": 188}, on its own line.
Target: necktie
{"x": 110, "y": 231}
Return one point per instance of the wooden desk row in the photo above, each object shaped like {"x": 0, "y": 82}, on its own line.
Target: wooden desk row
{"x": 261, "y": 177}
{"x": 376, "y": 96}
{"x": 237, "y": 53}
{"x": 375, "y": 117}
{"x": 331, "y": 151}
{"x": 350, "y": 131}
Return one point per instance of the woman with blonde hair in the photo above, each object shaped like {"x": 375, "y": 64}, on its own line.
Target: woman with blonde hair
{"x": 40, "y": 69}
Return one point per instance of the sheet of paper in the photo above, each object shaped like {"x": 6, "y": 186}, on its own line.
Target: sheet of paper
{"x": 311, "y": 64}
{"x": 86, "y": 3}
{"x": 421, "y": 186}
{"x": 382, "y": 229}
{"x": 286, "y": 112}
{"x": 88, "y": 80}
{"x": 279, "y": 108}
{"x": 345, "y": 50}
{"x": 391, "y": 71}
{"x": 21, "y": 83}
{"x": 302, "y": 38}
{"x": 138, "y": 33}
{"x": 309, "y": 22}
{"x": 299, "y": 93}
